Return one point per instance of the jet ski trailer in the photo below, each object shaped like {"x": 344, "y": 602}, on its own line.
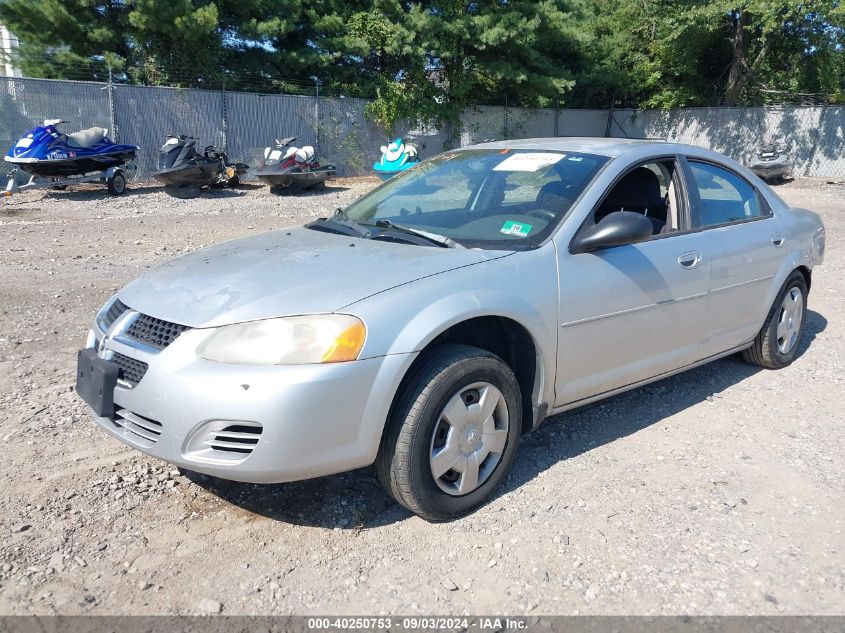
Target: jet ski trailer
{"x": 55, "y": 160}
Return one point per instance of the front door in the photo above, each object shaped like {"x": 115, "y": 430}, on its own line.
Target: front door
{"x": 629, "y": 313}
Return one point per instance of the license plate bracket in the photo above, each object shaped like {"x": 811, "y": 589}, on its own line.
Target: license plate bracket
{"x": 95, "y": 382}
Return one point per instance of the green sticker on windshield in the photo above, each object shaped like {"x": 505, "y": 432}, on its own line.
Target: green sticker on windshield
{"x": 516, "y": 228}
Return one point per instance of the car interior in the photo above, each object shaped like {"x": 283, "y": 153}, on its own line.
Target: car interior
{"x": 481, "y": 208}
{"x": 476, "y": 203}
{"x": 649, "y": 189}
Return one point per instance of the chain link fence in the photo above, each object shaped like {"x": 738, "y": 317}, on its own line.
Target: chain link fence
{"x": 245, "y": 123}
{"x": 812, "y": 137}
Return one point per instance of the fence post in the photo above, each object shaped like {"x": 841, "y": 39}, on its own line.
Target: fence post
{"x": 505, "y": 122}
{"x": 112, "y": 115}
{"x": 317, "y": 115}
{"x": 557, "y": 117}
{"x": 609, "y": 117}
{"x": 225, "y": 119}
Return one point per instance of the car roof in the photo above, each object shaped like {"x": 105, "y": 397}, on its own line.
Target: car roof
{"x": 610, "y": 147}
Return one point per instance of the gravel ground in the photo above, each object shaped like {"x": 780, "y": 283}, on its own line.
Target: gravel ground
{"x": 719, "y": 491}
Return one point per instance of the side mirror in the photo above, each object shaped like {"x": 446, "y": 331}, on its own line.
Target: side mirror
{"x": 615, "y": 229}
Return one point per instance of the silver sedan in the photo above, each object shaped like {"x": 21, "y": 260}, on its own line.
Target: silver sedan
{"x": 430, "y": 324}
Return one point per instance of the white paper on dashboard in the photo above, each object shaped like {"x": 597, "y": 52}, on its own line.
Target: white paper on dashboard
{"x": 529, "y": 161}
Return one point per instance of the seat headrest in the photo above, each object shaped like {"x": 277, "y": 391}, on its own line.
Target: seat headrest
{"x": 638, "y": 190}
{"x": 553, "y": 188}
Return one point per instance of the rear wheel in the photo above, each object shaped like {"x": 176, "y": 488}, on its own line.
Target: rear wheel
{"x": 452, "y": 433}
{"x": 117, "y": 184}
{"x": 777, "y": 343}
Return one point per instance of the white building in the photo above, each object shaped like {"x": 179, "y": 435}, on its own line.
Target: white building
{"x": 8, "y": 43}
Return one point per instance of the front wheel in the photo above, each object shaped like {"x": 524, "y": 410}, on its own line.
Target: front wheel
{"x": 452, "y": 433}
{"x": 777, "y": 343}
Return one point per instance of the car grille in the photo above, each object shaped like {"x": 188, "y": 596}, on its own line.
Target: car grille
{"x": 155, "y": 332}
{"x": 141, "y": 430}
{"x": 114, "y": 311}
{"x": 130, "y": 370}
{"x": 235, "y": 438}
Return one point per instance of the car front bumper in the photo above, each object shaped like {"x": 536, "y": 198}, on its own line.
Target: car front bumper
{"x": 261, "y": 424}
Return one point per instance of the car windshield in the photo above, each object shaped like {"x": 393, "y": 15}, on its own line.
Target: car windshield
{"x": 486, "y": 198}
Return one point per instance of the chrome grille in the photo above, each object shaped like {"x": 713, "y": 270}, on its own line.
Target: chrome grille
{"x": 114, "y": 311}
{"x": 155, "y": 332}
{"x": 130, "y": 370}
{"x": 137, "y": 428}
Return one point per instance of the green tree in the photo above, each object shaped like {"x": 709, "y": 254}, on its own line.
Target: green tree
{"x": 729, "y": 52}
{"x": 435, "y": 58}
{"x": 66, "y": 38}
{"x": 174, "y": 40}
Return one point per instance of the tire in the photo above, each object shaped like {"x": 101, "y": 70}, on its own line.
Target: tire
{"x": 777, "y": 343}
{"x": 418, "y": 430}
{"x": 234, "y": 181}
{"x": 117, "y": 184}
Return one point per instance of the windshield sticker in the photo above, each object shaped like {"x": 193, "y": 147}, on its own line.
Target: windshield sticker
{"x": 528, "y": 161}
{"x": 516, "y": 228}
{"x": 575, "y": 159}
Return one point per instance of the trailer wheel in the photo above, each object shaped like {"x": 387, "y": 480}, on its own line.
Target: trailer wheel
{"x": 117, "y": 184}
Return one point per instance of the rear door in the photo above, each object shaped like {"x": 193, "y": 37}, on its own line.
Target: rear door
{"x": 744, "y": 245}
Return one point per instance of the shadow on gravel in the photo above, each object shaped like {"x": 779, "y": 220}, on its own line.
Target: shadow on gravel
{"x": 355, "y": 499}
{"x": 317, "y": 191}
{"x": 350, "y": 501}
{"x": 99, "y": 192}
{"x": 580, "y": 430}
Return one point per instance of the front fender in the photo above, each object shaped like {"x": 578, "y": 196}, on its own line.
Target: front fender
{"x": 406, "y": 319}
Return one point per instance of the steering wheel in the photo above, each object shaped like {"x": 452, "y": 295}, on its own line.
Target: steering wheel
{"x": 543, "y": 214}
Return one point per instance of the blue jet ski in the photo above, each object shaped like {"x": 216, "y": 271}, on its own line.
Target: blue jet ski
{"x": 397, "y": 157}
{"x": 47, "y": 153}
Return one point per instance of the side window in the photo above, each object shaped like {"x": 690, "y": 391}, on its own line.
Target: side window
{"x": 647, "y": 189}
{"x": 723, "y": 196}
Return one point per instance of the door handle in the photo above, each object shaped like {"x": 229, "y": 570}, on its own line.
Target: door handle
{"x": 689, "y": 260}
{"x": 778, "y": 240}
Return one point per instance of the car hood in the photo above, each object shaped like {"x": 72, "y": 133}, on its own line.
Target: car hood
{"x": 283, "y": 273}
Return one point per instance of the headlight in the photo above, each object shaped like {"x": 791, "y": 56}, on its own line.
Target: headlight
{"x": 321, "y": 338}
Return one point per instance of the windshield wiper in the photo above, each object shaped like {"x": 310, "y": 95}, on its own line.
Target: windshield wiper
{"x": 434, "y": 238}
{"x": 340, "y": 223}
